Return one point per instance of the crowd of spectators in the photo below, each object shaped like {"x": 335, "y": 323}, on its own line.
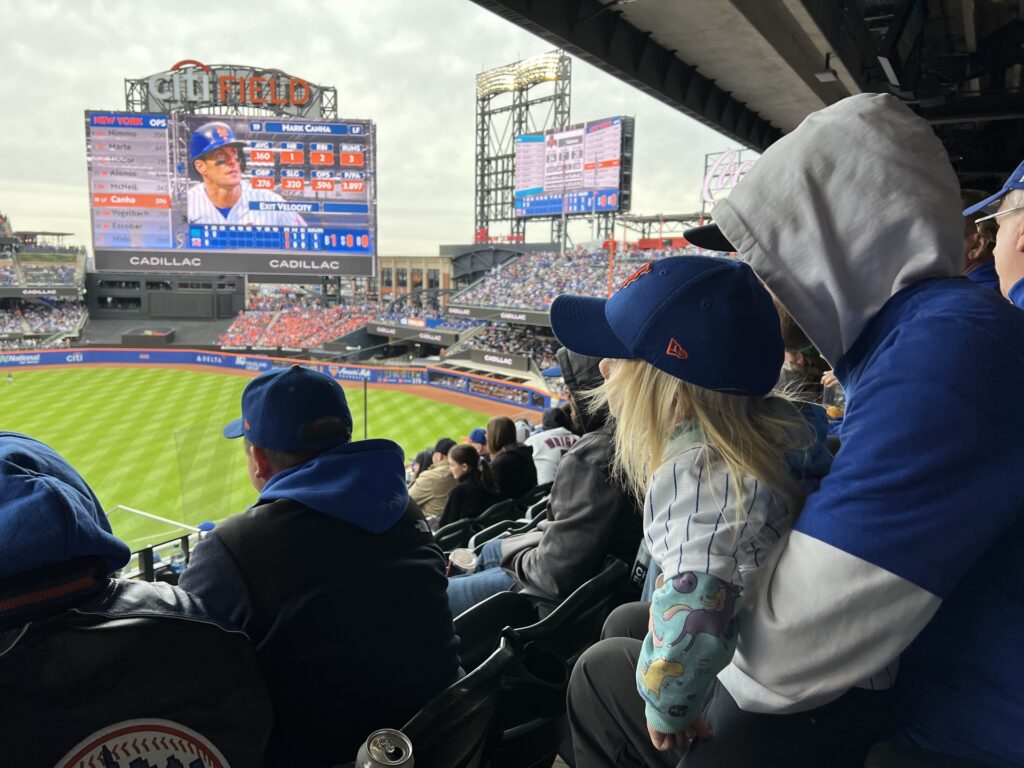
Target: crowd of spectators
{"x": 534, "y": 280}
{"x": 60, "y": 315}
{"x": 298, "y": 323}
{"x": 28, "y": 343}
{"x": 41, "y": 318}
{"x": 8, "y": 273}
{"x": 49, "y": 274}
{"x": 514, "y": 339}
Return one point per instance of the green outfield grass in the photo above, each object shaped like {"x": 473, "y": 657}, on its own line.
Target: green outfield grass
{"x": 150, "y": 438}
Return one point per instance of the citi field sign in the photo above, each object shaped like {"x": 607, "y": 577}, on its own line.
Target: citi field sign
{"x": 190, "y": 84}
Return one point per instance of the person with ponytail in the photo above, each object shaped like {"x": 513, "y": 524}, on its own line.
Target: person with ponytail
{"x": 692, "y": 350}
{"x": 476, "y": 490}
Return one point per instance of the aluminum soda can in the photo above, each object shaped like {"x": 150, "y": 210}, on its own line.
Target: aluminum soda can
{"x": 461, "y": 561}
{"x": 385, "y": 748}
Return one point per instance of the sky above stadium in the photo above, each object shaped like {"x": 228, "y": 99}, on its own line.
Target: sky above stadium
{"x": 409, "y": 65}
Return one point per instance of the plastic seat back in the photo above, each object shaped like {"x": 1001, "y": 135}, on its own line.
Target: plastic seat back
{"x": 453, "y": 729}
{"x": 479, "y": 628}
{"x": 575, "y": 623}
{"x": 453, "y": 535}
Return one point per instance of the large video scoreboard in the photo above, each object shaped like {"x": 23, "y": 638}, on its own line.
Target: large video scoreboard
{"x": 585, "y": 168}
{"x": 201, "y": 193}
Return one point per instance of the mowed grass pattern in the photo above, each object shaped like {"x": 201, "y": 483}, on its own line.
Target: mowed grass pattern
{"x": 150, "y": 438}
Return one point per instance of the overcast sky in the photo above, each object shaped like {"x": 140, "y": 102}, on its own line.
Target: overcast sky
{"x": 409, "y": 65}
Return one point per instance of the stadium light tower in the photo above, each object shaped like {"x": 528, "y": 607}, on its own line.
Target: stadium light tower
{"x": 529, "y": 96}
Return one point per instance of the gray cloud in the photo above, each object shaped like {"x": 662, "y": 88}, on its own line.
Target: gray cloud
{"x": 409, "y": 65}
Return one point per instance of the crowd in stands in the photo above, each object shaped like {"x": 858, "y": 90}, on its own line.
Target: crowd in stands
{"x": 534, "y": 280}
{"x": 458, "y": 324}
{"x": 8, "y": 274}
{"x": 59, "y": 315}
{"x": 299, "y": 323}
{"x": 49, "y": 274}
{"x": 41, "y": 318}
{"x": 15, "y": 345}
{"x": 515, "y": 339}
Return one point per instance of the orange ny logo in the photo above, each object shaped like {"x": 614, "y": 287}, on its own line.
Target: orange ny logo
{"x": 641, "y": 271}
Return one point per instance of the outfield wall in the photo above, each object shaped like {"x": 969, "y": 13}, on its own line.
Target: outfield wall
{"x": 469, "y": 384}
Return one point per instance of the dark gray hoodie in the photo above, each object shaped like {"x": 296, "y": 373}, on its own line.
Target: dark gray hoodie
{"x": 592, "y": 515}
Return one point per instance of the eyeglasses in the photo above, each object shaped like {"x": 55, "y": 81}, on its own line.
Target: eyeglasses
{"x": 999, "y": 213}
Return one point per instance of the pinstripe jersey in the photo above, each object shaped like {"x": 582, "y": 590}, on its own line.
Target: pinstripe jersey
{"x": 201, "y": 209}
{"x": 692, "y": 521}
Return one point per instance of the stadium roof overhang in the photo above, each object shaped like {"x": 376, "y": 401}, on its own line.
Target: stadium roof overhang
{"x": 753, "y": 69}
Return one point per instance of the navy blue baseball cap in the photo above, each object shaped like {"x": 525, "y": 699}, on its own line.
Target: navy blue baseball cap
{"x": 703, "y": 319}
{"x": 478, "y": 435}
{"x": 1016, "y": 181}
{"x": 279, "y": 404}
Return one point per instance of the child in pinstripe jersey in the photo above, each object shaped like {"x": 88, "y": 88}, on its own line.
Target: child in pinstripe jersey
{"x": 711, "y": 451}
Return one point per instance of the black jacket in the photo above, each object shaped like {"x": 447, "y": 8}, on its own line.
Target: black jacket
{"x": 591, "y": 514}
{"x": 352, "y": 628}
{"x": 468, "y": 499}
{"x": 130, "y": 651}
{"x": 514, "y": 471}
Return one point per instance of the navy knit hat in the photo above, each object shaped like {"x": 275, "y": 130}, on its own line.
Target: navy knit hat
{"x": 706, "y": 320}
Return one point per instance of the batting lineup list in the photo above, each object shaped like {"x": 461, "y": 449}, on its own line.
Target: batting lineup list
{"x": 129, "y": 181}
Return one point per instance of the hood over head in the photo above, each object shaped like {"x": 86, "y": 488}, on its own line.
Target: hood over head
{"x": 48, "y": 514}
{"x": 856, "y": 204}
{"x": 360, "y": 483}
{"x": 581, "y": 373}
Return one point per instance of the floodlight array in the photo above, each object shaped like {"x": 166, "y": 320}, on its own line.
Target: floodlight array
{"x": 512, "y": 77}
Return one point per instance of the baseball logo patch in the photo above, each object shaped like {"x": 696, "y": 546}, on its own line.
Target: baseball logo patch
{"x": 149, "y": 743}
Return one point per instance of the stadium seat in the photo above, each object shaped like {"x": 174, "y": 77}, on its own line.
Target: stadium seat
{"x": 453, "y": 728}
{"x": 478, "y": 539}
{"x": 570, "y": 627}
{"x": 508, "y": 509}
{"x": 534, "y": 495}
{"x": 479, "y": 628}
{"x": 454, "y": 535}
{"x": 495, "y": 715}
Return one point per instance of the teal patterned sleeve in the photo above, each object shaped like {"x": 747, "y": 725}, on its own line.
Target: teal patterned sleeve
{"x": 692, "y": 640}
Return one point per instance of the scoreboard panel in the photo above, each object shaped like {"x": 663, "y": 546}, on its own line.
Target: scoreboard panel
{"x": 303, "y": 188}
{"x": 581, "y": 169}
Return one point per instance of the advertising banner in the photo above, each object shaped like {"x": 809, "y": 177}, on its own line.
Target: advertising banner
{"x": 490, "y": 314}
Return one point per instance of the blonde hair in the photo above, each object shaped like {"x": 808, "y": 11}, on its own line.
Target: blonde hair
{"x": 750, "y": 435}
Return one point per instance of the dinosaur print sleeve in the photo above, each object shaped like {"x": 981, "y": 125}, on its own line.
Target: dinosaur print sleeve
{"x": 692, "y": 638}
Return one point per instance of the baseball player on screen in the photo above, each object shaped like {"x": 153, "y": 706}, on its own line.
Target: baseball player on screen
{"x": 223, "y": 197}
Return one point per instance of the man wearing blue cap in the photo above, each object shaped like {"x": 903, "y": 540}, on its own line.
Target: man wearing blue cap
{"x": 902, "y": 571}
{"x": 94, "y": 669}
{"x": 330, "y": 572}
{"x": 1004, "y": 208}
{"x": 223, "y": 196}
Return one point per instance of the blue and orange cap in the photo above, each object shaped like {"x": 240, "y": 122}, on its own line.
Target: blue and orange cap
{"x": 278, "y": 405}
{"x": 706, "y": 320}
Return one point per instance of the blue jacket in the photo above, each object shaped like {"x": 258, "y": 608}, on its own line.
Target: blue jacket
{"x": 985, "y": 275}
{"x": 904, "y": 567}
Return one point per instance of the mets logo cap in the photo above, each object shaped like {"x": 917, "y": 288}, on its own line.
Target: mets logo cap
{"x": 706, "y": 320}
{"x": 278, "y": 405}
{"x": 1016, "y": 181}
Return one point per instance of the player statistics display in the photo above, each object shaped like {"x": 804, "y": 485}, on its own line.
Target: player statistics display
{"x": 585, "y": 168}
{"x": 203, "y": 193}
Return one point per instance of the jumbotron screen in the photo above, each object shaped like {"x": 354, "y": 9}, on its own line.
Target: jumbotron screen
{"x": 585, "y": 168}
{"x": 203, "y": 193}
